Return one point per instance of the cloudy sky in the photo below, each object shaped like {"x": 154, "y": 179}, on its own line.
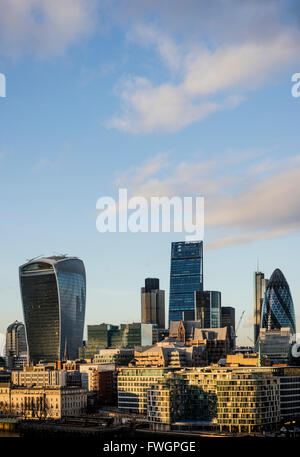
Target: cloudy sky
{"x": 169, "y": 98}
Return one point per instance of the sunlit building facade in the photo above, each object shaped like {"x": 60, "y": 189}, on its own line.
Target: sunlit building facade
{"x": 53, "y": 294}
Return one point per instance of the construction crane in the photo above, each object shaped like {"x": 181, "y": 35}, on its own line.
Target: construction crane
{"x": 250, "y": 339}
{"x": 239, "y": 323}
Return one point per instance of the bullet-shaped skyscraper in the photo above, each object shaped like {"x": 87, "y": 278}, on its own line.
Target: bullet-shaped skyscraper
{"x": 153, "y": 303}
{"x": 278, "y": 307}
{"x": 53, "y": 291}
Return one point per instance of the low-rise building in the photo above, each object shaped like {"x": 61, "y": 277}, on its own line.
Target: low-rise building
{"x": 39, "y": 376}
{"x": 42, "y": 403}
{"x": 119, "y": 357}
{"x": 169, "y": 354}
{"x": 275, "y": 344}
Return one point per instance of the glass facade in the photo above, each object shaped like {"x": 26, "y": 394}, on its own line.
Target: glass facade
{"x": 278, "y": 307}
{"x": 208, "y": 308}
{"x": 53, "y": 294}
{"x": 186, "y": 277}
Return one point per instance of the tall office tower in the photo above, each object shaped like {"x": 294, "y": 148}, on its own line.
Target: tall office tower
{"x": 186, "y": 277}
{"x": 153, "y": 303}
{"x": 260, "y": 285}
{"x": 278, "y": 307}
{"x": 16, "y": 346}
{"x": 228, "y": 317}
{"x": 208, "y": 308}
{"x": 53, "y": 294}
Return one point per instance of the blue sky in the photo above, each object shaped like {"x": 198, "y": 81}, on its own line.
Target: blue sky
{"x": 163, "y": 100}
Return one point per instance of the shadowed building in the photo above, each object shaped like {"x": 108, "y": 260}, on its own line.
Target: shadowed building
{"x": 260, "y": 285}
{"x": 208, "y": 308}
{"x": 16, "y": 347}
{"x": 228, "y": 317}
{"x": 186, "y": 277}
{"x": 153, "y": 303}
{"x": 53, "y": 294}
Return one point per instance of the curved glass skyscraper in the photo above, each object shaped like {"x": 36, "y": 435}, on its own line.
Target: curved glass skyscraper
{"x": 53, "y": 294}
{"x": 278, "y": 308}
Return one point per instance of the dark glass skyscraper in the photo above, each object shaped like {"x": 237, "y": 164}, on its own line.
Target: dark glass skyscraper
{"x": 53, "y": 294}
{"x": 186, "y": 277}
{"x": 278, "y": 307}
{"x": 208, "y": 308}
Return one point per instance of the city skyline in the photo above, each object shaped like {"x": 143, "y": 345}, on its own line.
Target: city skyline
{"x": 197, "y": 103}
{"x": 115, "y": 321}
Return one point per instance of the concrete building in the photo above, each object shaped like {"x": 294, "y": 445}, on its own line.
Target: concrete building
{"x": 153, "y": 303}
{"x": 51, "y": 402}
{"x": 218, "y": 341}
{"x": 169, "y": 354}
{"x": 39, "y": 376}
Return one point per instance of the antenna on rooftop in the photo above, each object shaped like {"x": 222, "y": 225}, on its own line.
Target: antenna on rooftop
{"x": 37, "y": 257}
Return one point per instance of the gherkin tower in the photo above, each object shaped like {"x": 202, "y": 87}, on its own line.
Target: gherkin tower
{"x": 278, "y": 308}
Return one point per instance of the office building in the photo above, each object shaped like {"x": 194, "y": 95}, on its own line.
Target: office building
{"x": 119, "y": 357}
{"x": 186, "y": 277}
{"x": 153, "y": 303}
{"x": 133, "y": 384}
{"x": 228, "y": 317}
{"x": 127, "y": 336}
{"x": 260, "y": 285}
{"x": 16, "y": 346}
{"x": 278, "y": 308}
{"x": 135, "y": 334}
{"x": 208, "y": 308}
{"x": 275, "y": 344}
{"x": 39, "y": 376}
{"x": 53, "y": 294}
{"x": 100, "y": 336}
{"x": 220, "y": 399}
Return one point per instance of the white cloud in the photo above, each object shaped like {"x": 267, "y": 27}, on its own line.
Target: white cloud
{"x": 240, "y": 206}
{"x": 43, "y": 27}
{"x": 210, "y": 80}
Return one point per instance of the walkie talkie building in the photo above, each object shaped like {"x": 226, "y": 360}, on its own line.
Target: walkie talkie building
{"x": 278, "y": 308}
{"x": 53, "y": 291}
